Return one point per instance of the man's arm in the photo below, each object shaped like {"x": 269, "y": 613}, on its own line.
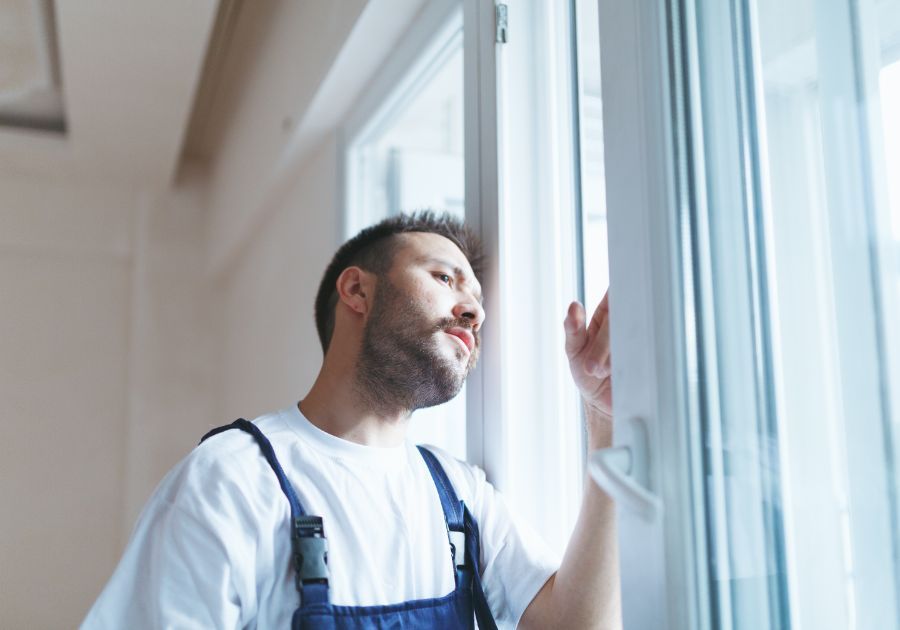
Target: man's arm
{"x": 584, "y": 592}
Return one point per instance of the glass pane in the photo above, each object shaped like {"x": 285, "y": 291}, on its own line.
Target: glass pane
{"x": 592, "y": 177}
{"x": 800, "y": 378}
{"x": 410, "y": 157}
{"x": 833, "y": 385}
{"x": 741, "y": 442}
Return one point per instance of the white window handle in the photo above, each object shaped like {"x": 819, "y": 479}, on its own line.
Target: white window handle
{"x": 621, "y": 470}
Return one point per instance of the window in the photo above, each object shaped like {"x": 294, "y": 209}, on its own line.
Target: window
{"x": 410, "y": 155}
{"x": 750, "y": 150}
{"x": 404, "y": 152}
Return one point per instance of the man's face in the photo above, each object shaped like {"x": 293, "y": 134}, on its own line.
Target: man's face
{"x": 423, "y": 334}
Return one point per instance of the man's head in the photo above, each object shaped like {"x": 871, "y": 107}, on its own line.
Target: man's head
{"x": 408, "y": 288}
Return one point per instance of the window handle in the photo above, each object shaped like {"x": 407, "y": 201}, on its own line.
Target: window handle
{"x": 623, "y": 473}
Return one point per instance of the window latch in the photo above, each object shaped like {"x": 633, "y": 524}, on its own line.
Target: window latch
{"x": 624, "y": 472}
{"x": 500, "y": 18}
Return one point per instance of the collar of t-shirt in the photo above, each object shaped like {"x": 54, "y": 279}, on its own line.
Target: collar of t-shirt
{"x": 383, "y": 457}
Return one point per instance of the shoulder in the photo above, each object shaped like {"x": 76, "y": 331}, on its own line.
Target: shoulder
{"x": 226, "y": 472}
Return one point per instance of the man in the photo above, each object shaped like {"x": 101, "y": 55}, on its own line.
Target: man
{"x": 399, "y": 316}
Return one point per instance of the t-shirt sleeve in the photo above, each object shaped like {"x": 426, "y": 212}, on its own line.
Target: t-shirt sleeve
{"x": 515, "y": 560}
{"x": 178, "y": 569}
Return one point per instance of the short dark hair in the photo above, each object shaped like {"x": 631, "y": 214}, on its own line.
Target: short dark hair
{"x": 373, "y": 250}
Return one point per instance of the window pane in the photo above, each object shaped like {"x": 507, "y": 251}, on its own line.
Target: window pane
{"x": 834, "y": 385}
{"x": 410, "y": 157}
{"x": 801, "y": 388}
{"x": 590, "y": 126}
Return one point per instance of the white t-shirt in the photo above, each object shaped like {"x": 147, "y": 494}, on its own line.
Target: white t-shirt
{"x": 212, "y": 547}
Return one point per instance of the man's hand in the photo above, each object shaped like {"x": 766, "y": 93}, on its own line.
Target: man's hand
{"x": 589, "y": 361}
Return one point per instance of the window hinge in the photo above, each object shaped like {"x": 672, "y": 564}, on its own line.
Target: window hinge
{"x": 500, "y": 16}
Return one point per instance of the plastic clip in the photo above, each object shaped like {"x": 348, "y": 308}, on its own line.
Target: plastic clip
{"x": 310, "y": 550}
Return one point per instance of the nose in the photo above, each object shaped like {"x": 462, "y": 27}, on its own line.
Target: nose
{"x": 470, "y": 309}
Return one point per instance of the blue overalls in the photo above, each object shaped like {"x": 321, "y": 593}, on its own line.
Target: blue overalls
{"x": 310, "y": 551}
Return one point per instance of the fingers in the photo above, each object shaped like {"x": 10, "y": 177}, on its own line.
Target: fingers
{"x": 576, "y": 335}
{"x": 590, "y": 344}
{"x": 597, "y": 352}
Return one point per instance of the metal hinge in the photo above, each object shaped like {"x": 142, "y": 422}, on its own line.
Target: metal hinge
{"x": 500, "y": 17}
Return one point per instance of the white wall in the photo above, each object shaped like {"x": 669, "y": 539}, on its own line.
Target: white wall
{"x": 65, "y": 275}
{"x": 106, "y": 373}
{"x": 271, "y": 353}
{"x": 295, "y": 52}
{"x": 273, "y": 222}
{"x": 174, "y": 325}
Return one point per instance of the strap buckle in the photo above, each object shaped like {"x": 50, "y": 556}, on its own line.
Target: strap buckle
{"x": 458, "y": 548}
{"x": 310, "y": 549}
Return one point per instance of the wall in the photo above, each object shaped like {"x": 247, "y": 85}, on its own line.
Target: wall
{"x": 295, "y": 44}
{"x": 270, "y": 352}
{"x": 172, "y": 363}
{"x": 65, "y": 275}
{"x": 106, "y": 372}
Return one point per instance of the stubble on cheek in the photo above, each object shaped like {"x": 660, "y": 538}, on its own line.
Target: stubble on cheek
{"x": 401, "y": 363}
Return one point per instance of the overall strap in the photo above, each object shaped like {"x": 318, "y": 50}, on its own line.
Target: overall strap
{"x": 482, "y": 610}
{"x": 459, "y": 519}
{"x": 308, "y": 541}
{"x": 269, "y": 453}
{"x": 453, "y": 512}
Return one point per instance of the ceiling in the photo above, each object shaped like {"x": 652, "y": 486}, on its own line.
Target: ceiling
{"x": 125, "y": 80}
{"x": 30, "y": 90}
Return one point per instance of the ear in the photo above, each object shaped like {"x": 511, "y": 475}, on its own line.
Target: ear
{"x": 355, "y": 289}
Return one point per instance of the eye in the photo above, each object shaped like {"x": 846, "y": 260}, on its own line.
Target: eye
{"x": 443, "y": 277}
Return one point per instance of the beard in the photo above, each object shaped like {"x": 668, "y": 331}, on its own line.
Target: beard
{"x": 401, "y": 365}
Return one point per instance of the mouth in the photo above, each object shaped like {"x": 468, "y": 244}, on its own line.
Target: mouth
{"x": 466, "y": 339}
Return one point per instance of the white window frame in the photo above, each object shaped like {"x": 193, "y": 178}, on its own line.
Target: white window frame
{"x": 484, "y": 440}
{"x": 543, "y": 66}
{"x": 661, "y": 563}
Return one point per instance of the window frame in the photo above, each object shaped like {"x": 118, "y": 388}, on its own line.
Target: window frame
{"x": 484, "y": 440}
{"x": 538, "y": 412}
{"x": 662, "y": 554}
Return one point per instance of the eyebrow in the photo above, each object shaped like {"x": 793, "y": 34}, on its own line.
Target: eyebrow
{"x": 457, "y": 271}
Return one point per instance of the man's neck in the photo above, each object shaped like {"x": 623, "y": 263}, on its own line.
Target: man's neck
{"x": 335, "y": 406}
